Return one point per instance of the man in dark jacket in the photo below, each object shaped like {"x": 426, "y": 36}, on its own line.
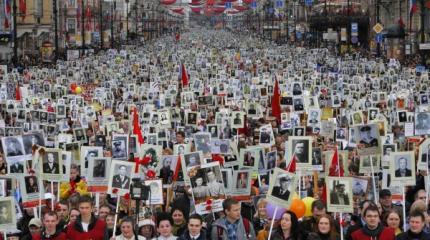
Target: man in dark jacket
{"x": 318, "y": 209}
{"x": 416, "y": 226}
{"x": 87, "y": 226}
{"x": 194, "y": 231}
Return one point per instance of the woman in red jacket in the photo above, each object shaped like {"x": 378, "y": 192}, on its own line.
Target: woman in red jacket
{"x": 373, "y": 229}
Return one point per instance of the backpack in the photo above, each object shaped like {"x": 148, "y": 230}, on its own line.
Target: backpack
{"x": 246, "y": 224}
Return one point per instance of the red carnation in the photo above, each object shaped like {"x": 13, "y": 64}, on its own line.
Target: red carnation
{"x": 150, "y": 173}
{"x": 127, "y": 196}
{"x": 115, "y": 190}
{"x": 145, "y": 160}
{"x": 209, "y": 201}
{"x": 209, "y": 207}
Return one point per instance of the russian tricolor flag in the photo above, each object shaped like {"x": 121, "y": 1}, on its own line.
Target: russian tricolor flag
{"x": 413, "y": 7}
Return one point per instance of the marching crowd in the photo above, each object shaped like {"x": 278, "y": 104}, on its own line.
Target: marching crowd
{"x": 239, "y": 72}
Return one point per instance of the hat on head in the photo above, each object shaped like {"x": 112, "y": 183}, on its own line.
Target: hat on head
{"x": 365, "y": 128}
{"x": 384, "y": 193}
{"x": 35, "y": 222}
{"x": 146, "y": 222}
{"x": 284, "y": 177}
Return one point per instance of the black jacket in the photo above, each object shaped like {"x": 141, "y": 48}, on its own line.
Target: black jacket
{"x": 186, "y": 235}
{"x": 411, "y": 236}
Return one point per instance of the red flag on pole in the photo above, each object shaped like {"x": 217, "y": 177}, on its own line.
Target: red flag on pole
{"x": 292, "y": 165}
{"x": 335, "y": 170}
{"x": 276, "y": 103}
{"x": 184, "y": 76}
{"x": 23, "y": 8}
{"x": 178, "y": 168}
{"x": 136, "y": 127}
{"x": 17, "y": 93}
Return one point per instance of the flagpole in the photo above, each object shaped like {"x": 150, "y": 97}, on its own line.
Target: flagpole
{"x": 55, "y": 11}
{"x": 15, "y": 35}
{"x": 372, "y": 171}
{"x": 272, "y": 222}
{"x": 340, "y": 213}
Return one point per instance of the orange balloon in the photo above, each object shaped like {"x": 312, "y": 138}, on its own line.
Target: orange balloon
{"x": 298, "y": 207}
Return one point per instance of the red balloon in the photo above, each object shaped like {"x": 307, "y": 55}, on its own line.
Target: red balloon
{"x": 73, "y": 86}
{"x": 298, "y": 207}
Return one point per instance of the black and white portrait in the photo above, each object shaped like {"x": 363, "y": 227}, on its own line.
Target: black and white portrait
{"x": 120, "y": 146}
{"x": 31, "y": 184}
{"x": 339, "y": 194}
{"x": 300, "y": 149}
{"x": 121, "y": 178}
{"x": 13, "y": 147}
{"x": 422, "y": 123}
{"x": 402, "y": 168}
{"x": 51, "y": 163}
{"x": 7, "y": 213}
{"x": 192, "y": 159}
{"x": 202, "y": 142}
{"x": 281, "y": 187}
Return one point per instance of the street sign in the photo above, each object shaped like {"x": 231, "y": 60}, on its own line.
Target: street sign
{"x": 354, "y": 29}
{"x": 378, "y": 28}
{"x": 424, "y": 46}
{"x": 354, "y": 39}
{"x": 378, "y": 38}
{"x": 309, "y": 2}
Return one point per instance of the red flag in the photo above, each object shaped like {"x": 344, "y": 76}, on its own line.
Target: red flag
{"x": 184, "y": 76}
{"x": 178, "y": 168}
{"x": 276, "y": 103}
{"x": 23, "y": 8}
{"x": 401, "y": 23}
{"x": 292, "y": 165}
{"x": 6, "y": 23}
{"x": 17, "y": 93}
{"x": 335, "y": 170}
{"x": 136, "y": 127}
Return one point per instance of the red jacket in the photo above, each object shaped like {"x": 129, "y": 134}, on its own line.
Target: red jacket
{"x": 57, "y": 236}
{"x": 386, "y": 234}
{"x": 96, "y": 230}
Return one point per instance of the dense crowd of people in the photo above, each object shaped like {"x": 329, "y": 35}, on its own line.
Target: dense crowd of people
{"x": 235, "y": 138}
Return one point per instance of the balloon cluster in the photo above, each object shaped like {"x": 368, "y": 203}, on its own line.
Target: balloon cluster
{"x": 300, "y": 207}
{"x": 75, "y": 88}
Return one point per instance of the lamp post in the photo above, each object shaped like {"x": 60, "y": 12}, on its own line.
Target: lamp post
{"x": 112, "y": 9}
{"x": 422, "y": 34}
{"x": 15, "y": 36}
{"x": 126, "y": 2}
{"x": 55, "y": 11}
{"x": 101, "y": 23}
{"x": 83, "y": 26}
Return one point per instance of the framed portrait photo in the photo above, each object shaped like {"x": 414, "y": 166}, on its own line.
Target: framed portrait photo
{"x": 367, "y": 138}
{"x": 51, "y": 161}
{"x": 120, "y": 177}
{"x": 339, "y": 194}
{"x": 301, "y": 149}
{"x": 7, "y": 213}
{"x": 241, "y": 183}
{"x": 282, "y": 185}
{"x": 98, "y": 171}
{"x": 402, "y": 168}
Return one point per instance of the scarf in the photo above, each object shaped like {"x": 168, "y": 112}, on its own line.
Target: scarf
{"x": 373, "y": 234}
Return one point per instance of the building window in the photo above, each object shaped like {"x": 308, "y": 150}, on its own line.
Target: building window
{"x": 71, "y": 25}
{"x": 71, "y": 3}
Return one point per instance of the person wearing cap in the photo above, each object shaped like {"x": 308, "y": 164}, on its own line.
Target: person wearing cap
{"x": 386, "y": 202}
{"x": 34, "y": 227}
{"x": 282, "y": 191}
{"x": 147, "y": 229}
{"x": 366, "y": 137}
{"x": 338, "y": 195}
{"x": 50, "y": 231}
{"x": 118, "y": 151}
